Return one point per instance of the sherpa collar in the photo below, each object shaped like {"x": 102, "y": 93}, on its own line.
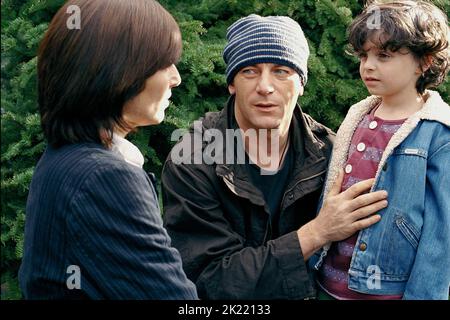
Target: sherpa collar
{"x": 434, "y": 109}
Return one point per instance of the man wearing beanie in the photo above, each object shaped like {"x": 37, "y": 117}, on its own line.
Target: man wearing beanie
{"x": 246, "y": 230}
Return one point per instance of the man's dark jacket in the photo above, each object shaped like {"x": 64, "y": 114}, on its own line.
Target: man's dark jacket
{"x": 221, "y": 225}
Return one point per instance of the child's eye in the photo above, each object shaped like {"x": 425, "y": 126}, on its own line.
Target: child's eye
{"x": 361, "y": 55}
{"x": 383, "y": 55}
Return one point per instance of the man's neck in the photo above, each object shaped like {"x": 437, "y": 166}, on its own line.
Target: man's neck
{"x": 270, "y": 148}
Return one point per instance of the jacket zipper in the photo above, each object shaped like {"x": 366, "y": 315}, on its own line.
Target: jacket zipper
{"x": 317, "y": 174}
{"x": 304, "y": 179}
{"x": 268, "y": 231}
{"x": 269, "y": 224}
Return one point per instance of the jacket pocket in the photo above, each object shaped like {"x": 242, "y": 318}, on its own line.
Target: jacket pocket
{"x": 408, "y": 230}
{"x": 398, "y": 244}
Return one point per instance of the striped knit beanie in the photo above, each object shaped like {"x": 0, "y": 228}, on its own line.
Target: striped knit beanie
{"x": 274, "y": 39}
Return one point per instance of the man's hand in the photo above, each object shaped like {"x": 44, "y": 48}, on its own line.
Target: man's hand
{"x": 342, "y": 215}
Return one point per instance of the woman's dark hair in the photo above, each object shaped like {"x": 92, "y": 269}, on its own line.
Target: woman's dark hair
{"x": 418, "y": 26}
{"x": 86, "y": 75}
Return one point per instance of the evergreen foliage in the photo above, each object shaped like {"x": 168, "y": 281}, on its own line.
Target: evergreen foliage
{"x": 332, "y": 87}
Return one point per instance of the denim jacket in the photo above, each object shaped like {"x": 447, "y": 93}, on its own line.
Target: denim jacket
{"x": 408, "y": 251}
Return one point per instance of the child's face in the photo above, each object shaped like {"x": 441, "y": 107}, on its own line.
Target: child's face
{"x": 389, "y": 74}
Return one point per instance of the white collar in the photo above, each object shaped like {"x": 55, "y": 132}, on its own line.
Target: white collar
{"x": 127, "y": 150}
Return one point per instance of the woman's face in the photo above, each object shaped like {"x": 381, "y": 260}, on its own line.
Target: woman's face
{"x": 148, "y": 107}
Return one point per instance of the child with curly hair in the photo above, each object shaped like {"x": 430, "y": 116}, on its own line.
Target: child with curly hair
{"x": 401, "y": 136}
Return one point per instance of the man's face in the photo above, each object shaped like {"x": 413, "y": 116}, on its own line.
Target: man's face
{"x": 266, "y": 95}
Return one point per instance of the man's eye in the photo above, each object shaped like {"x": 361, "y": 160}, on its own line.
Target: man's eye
{"x": 248, "y": 71}
{"x": 281, "y": 71}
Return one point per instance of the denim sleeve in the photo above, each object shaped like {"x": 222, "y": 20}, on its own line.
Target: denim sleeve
{"x": 118, "y": 241}
{"x": 430, "y": 275}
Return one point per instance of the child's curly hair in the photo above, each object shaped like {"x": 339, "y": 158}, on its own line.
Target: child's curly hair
{"x": 419, "y": 26}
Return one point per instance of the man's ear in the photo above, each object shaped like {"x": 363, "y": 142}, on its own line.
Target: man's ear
{"x": 302, "y": 90}
{"x": 231, "y": 89}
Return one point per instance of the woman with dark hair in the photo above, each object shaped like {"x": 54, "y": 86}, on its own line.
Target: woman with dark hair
{"x": 93, "y": 225}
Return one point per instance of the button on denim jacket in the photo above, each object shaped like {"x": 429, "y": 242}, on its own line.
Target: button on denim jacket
{"x": 408, "y": 251}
